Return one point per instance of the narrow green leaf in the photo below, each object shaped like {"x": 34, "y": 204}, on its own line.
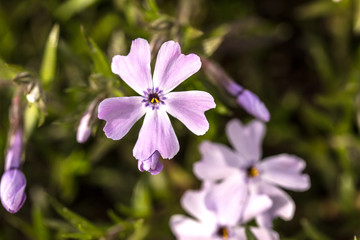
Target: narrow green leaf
{"x": 101, "y": 64}
{"x": 69, "y": 8}
{"x": 212, "y": 43}
{"x": 75, "y": 236}
{"x": 249, "y": 234}
{"x": 140, "y": 230}
{"x": 48, "y": 66}
{"x": 312, "y": 232}
{"x": 77, "y": 221}
{"x": 41, "y": 231}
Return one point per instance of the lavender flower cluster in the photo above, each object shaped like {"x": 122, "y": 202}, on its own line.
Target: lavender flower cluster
{"x": 237, "y": 187}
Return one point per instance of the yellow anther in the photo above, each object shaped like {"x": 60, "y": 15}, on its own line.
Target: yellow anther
{"x": 225, "y": 233}
{"x": 252, "y": 172}
{"x": 154, "y": 100}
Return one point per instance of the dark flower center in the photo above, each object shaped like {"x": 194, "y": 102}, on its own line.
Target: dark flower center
{"x": 252, "y": 172}
{"x": 153, "y": 98}
{"x": 223, "y": 232}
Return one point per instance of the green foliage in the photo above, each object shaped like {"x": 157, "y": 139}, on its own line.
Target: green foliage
{"x": 249, "y": 234}
{"x": 302, "y": 58}
{"x": 88, "y": 230}
{"x": 48, "y": 66}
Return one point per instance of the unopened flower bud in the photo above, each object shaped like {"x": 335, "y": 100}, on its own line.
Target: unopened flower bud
{"x": 14, "y": 151}
{"x": 84, "y": 128}
{"x": 253, "y": 105}
{"x": 12, "y": 190}
{"x": 248, "y": 100}
{"x": 152, "y": 164}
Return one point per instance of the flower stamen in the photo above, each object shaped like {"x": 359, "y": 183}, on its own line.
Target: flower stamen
{"x": 223, "y": 232}
{"x": 252, "y": 172}
{"x": 153, "y": 98}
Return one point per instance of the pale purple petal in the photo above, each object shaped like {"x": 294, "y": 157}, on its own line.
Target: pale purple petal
{"x": 84, "y": 129}
{"x": 189, "y": 107}
{"x": 120, "y": 114}
{"x": 218, "y": 162}
{"x": 264, "y": 234}
{"x": 253, "y": 105}
{"x": 156, "y": 134}
{"x": 12, "y": 190}
{"x": 285, "y": 170}
{"x": 256, "y": 204}
{"x": 283, "y": 206}
{"x": 246, "y": 139}
{"x": 14, "y": 151}
{"x": 260, "y": 233}
{"x": 185, "y": 228}
{"x": 172, "y": 67}
{"x": 284, "y": 161}
{"x": 227, "y": 200}
{"x": 193, "y": 202}
{"x": 134, "y": 68}
{"x": 152, "y": 164}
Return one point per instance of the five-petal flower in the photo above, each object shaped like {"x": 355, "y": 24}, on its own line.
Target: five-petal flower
{"x": 156, "y": 100}
{"x": 220, "y": 209}
{"x": 220, "y": 162}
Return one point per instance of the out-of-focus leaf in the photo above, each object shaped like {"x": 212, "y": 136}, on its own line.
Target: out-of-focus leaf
{"x": 141, "y": 200}
{"x": 41, "y": 231}
{"x": 66, "y": 10}
{"x": 84, "y": 236}
{"x": 140, "y": 231}
{"x": 38, "y": 198}
{"x": 312, "y": 232}
{"x": 77, "y": 221}
{"x": 114, "y": 217}
{"x": 322, "y": 61}
{"x": 101, "y": 64}
{"x": 48, "y": 66}
{"x": 191, "y": 33}
{"x": 347, "y": 193}
{"x": 315, "y": 9}
{"x": 249, "y": 234}
{"x": 152, "y": 10}
{"x": 9, "y": 72}
{"x": 212, "y": 43}
{"x": 66, "y": 170}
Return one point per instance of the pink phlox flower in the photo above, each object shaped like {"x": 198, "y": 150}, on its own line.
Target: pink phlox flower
{"x": 156, "y": 100}
{"x": 262, "y": 177}
{"x": 219, "y": 211}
